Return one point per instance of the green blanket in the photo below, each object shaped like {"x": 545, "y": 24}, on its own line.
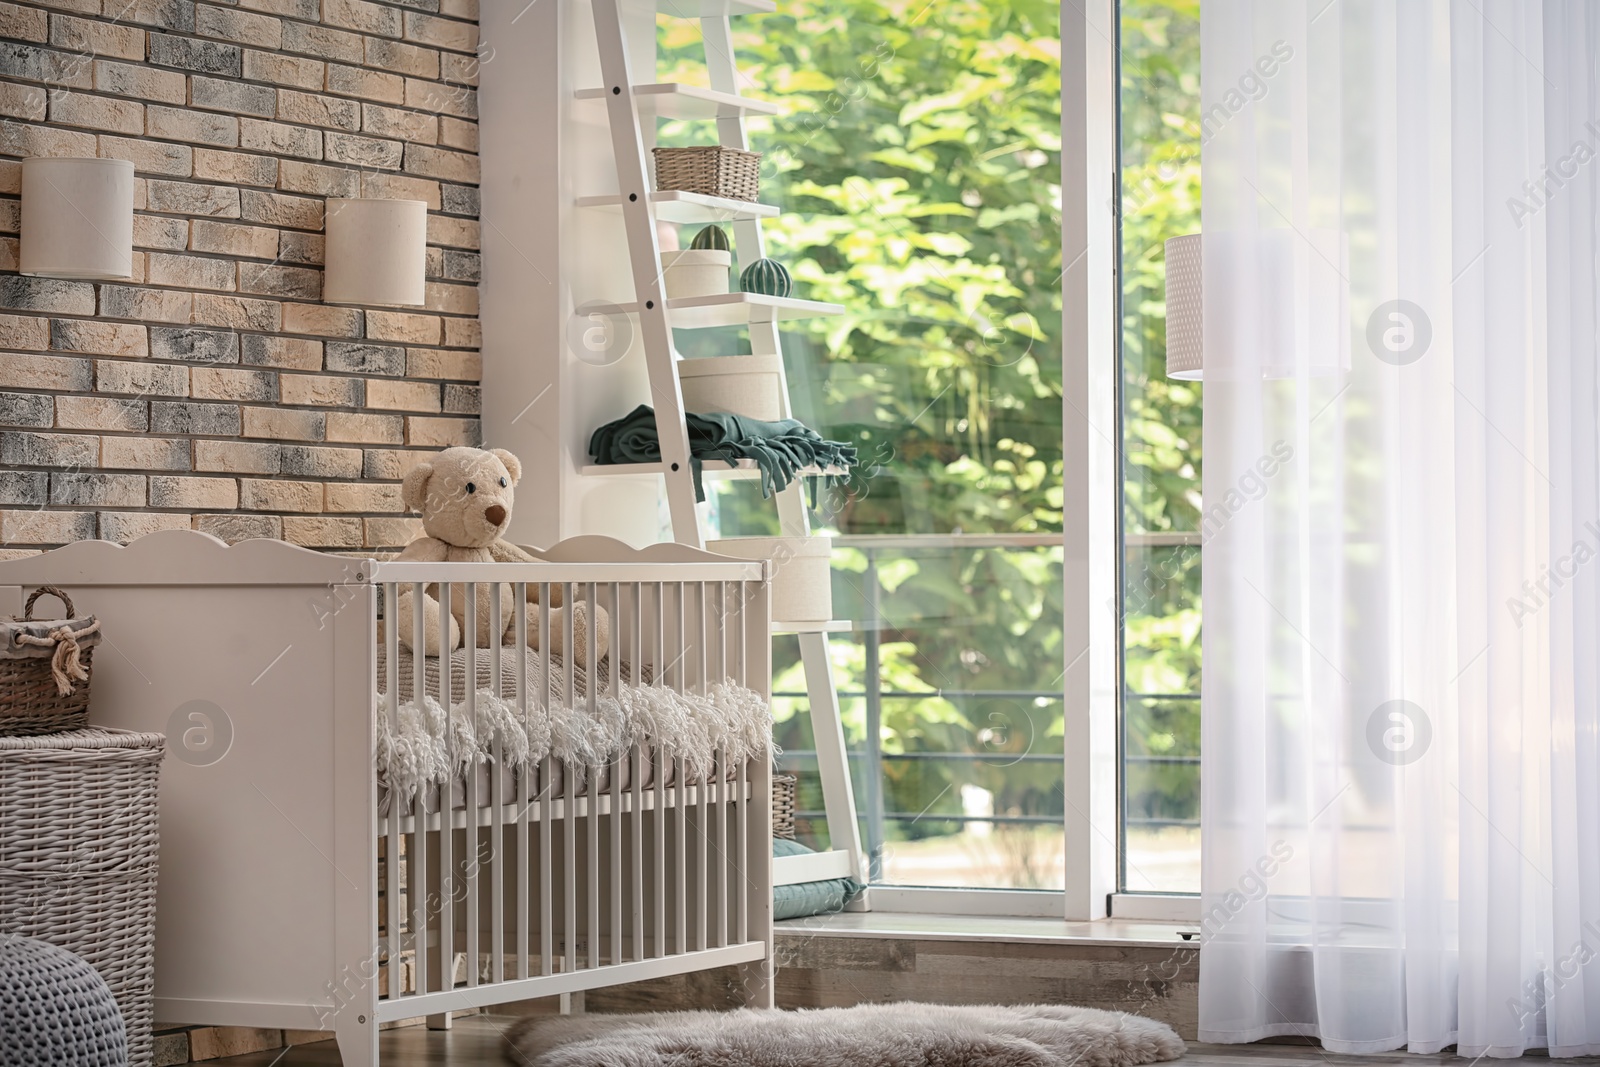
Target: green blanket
{"x": 780, "y": 449}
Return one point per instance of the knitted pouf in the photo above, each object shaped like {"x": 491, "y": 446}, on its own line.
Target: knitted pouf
{"x": 55, "y": 1009}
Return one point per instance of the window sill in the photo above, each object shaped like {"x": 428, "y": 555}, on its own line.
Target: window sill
{"x": 933, "y": 927}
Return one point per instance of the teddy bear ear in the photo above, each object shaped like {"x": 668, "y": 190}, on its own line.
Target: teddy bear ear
{"x": 414, "y": 489}
{"x": 513, "y": 464}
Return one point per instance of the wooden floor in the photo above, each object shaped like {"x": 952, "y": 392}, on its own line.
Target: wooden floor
{"x": 476, "y": 1041}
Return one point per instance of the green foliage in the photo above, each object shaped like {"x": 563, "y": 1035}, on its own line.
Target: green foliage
{"x": 1161, "y": 416}
{"x": 917, "y": 163}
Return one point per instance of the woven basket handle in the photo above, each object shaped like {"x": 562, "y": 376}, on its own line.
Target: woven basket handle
{"x": 59, "y": 594}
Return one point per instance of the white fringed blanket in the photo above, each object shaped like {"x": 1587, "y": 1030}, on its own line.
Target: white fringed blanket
{"x": 729, "y": 720}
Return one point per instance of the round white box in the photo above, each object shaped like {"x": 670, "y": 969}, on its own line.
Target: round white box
{"x": 696, "y": 272}
{"x": 802, "y": 588}
{"x": 751, "y": 386}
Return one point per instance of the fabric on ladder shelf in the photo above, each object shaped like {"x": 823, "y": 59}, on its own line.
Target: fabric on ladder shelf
{"x": 780, "y": 449}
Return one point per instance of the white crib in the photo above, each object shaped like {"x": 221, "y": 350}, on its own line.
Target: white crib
{"x": 290, "y": 897}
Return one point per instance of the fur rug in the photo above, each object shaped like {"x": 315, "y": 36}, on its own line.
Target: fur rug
{"x": 868, "y": 1035}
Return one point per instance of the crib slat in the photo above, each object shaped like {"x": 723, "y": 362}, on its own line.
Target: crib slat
{"x": 658, "y": 678}
{"x": 680, "y": 859}
{"x": 592, "y": 823}
{"x": 546, "y": 902}
{"x": 702, "y": 865}
{"x": 636, "y": 868}
{"x": 702, "y": 611}
{"x": 614, "y": 656}
{"x": 741, "y": 898}
{"x": 567, "y": 669}
{"x": 592, "y": 891}
{"x": 391, "y": 692}
{"x": 447, "y": 899}
{"x": 616, "y": 820}
{"x": 488, "y": 853}
{"x": 524, "y": 779}
{"x": 569, "y": 852}
{"x": 636, "y": 879}
{"x": 546, "y": 798}
{"x": 418, "y": 887}
{"x": 721, "y": 672}
{"x": 720, "y": 851}
{"x": 417, "y": 882}
{"x": 469, "y": 838}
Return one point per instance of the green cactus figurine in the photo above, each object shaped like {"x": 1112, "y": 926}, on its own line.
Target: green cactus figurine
{"x": 712, "y": 238}
{"x": 768, "y": 277}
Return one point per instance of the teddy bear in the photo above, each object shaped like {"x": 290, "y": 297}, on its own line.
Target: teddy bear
{"x": 465, "y": 496}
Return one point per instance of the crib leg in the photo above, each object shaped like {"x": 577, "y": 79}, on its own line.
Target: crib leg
{"x": 358, "y": 1041}
{"x": 757, "y": 986}
{"x": 439, "y": 1022}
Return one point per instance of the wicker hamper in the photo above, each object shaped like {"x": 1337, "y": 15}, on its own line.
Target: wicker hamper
{"x": 783, "y": 790}
{"x": 710, "y": 170}
{"x": 44, "y": 669}
{"x": 78, "y": 856}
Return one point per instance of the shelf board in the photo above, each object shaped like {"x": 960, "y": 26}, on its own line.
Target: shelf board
{"x": 729, "y": 309}
{"x": 713, "y": 469}
{"x": 673, "y": 100}
{"x": 833, "y": 626}
{"x": 707, "y": 9}
{"x": 674, "y": 205}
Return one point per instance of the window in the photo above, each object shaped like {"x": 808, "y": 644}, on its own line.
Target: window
{"x": 1159, "y": 108}
{"x": 918, "y": 165}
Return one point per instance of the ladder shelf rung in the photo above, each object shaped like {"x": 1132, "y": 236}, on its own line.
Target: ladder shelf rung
{"x": 710, "y": 9}
{"x": 672, "y": 100}
{"x": 675, "y": 205}
{"x": 712, "y": 469}
{"x": 729, "y": 309}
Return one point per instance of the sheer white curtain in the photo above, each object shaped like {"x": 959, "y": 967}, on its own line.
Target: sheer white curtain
{"x": 1401, "y": 767}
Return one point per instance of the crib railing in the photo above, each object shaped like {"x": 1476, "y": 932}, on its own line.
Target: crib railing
{"x": 549, "y": 877}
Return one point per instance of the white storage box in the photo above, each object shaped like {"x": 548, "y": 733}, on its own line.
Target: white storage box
{"x": 751, "y": 386}
{"x": 696, "y": 272}
{"x": 802, "y": 589}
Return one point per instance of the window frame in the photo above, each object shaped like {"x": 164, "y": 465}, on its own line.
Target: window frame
{"x": 1145, "y": 906}
{"x": 1091, "y": 470}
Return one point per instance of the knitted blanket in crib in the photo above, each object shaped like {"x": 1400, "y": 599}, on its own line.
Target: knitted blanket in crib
{"x": 728, "y": 720}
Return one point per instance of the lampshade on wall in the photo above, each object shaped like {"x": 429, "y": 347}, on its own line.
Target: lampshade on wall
{"x": 1293, "y": 311}
{"x": 376, "y": 252}
{"x": 1184, "y": 306}
{"x": 77, "y": 218}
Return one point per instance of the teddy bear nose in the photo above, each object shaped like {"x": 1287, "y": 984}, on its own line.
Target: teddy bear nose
{"x": 495, "y": 514}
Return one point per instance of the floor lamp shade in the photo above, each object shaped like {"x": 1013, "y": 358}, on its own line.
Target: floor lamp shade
{"x": 77, "y": 218}
{"x": 376, "y": 252}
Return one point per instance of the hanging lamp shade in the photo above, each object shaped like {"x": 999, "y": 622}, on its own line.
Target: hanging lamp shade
{"x": 77, "y": 218}
{"x": 1292, "y": 315}
{"x": 376, "y": 252}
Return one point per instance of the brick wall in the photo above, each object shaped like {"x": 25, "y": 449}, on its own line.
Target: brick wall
{"x": 215, "y": 391}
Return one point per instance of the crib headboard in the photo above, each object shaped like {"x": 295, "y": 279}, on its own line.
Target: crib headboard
{"x": 256, "y": 661}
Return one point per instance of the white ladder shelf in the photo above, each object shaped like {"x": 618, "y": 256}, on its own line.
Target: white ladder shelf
{"x": 629, "y": 106}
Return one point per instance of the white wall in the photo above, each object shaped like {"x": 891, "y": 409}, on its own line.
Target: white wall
{"x": 551, "y": 374}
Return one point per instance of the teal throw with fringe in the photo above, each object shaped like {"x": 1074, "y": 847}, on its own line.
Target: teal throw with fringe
{"x": 781, "y": 450}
